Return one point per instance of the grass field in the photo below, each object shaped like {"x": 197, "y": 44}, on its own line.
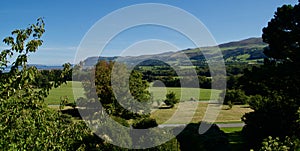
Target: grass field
{"x": 65, "y": 90}
{"x": 185, "y": 94}
{"x": 159, "y": 93}
{"x": 231, "y": 129}
{"x": 233, "y": 115}
{"x": 161, "y": 115}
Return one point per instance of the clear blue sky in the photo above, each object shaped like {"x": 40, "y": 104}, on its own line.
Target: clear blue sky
{"x": 67, "y": 21}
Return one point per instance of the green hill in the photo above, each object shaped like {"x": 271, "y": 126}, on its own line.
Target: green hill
{"x": 245, "y": 51}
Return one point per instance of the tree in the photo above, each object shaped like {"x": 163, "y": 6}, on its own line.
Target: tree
{"x": 26, "y": 123}
{"x": 112, "y": 89}
{"x": 145, "y": 123}
{"x": 109, "y": 80}
{"x": 275, "y": 85}
{"x": 171, "y": 99}
{"x": 234, "y": 97}
{"x": 212, "y": 139}
{"x": 283, "y": 34}
{"x": 270, "y": 144}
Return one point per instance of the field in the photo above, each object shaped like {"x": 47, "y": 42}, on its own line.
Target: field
{"x": 225, "y": 115}
{"x": 162, "y": 115}
{"x": 65, "y": 90}
{"x": 159, "y": 93}
{"x": 186, "y": 107}
{"x": 185, "y": 94}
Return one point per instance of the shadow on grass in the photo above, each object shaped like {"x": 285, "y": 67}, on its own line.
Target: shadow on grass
{"x": 164, "y": 107}
{"x": 236, "y": 141}
{"x": 73, "y": 112}
{"x": 214, "y": 139}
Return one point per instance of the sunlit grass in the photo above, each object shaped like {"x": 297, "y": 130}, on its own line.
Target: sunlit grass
{"x": 233, "y": 115}
{"x": 185, "y": 94}
{"x": 65, "y": 90}
{"x": 159, "y": 93}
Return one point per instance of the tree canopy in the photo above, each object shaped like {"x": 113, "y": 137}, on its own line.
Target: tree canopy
{"x": 275, "y": 85}
{"x": 283, "y": 34}
{"x": 26, "y": 123}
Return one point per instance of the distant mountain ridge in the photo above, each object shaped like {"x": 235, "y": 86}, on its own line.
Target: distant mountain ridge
{"x": 39, "y": 67}
{"x": 246, "y": 42}
{"x": 248, "y": 51}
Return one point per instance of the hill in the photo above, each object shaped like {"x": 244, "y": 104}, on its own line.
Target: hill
{"x": 242, "y": 43}
{"x": 245, "y": 51}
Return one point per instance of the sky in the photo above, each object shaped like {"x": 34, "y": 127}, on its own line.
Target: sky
{"x": 68, "y": 21}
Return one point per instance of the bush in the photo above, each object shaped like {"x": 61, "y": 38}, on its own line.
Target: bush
{"x": 145, "y": 123}
{"x": 171, "y": 99}
{"x": 26, "y": 123}
{"x": 35, "y": 127}
{"x": 213, "y": 139}
{"x": 235, "y": 97}
{"x": 271, "y": 117}
{"x": 271, "y": 144}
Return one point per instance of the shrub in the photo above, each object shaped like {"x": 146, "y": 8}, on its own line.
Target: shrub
{"x": 171, "y": 99}
{"x": 270, "y": 144}
{"x": 145, "y": 123}
{"x": 235, "y": 97}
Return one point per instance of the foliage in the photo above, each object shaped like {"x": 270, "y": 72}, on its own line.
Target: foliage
{"x": 213, "y": 139}
{"x": 44, "y": 76}
{"x": 275, "y": 85}
{"x": 139, "y": 90}
{"x": 232, "y": 82}
{"x": 120, "y": 121}
{"x": 168, "y": 76}
{"x": 270, "y": 118}
{"x": 33, "y": 126}
{"x": 171, "y": 99}
{"x": 113, "y": 104}
{"x": 277, "y": 144}
{"x": 283, "y": 34}
{"x": 144, "y": 123}
{"x": 25, "y": 121}
{"x": 232, "y": 97}
{"x": 104, "y": 71}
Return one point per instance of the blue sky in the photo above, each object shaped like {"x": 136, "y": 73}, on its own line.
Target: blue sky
{"x": 67, "y": 21}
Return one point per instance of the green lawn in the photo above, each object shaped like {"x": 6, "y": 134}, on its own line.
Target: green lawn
{"x": 161, "y": 115}
{"x": 231, "y": 129}
{"x": 65, "y": 90}
{"x": 185, "y": 94}
{"x": 159, "y": 93}
{"x": 233, "y": 115}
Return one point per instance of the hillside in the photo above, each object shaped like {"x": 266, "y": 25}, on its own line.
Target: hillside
{"x": 245, "y": 51}
{"x": 242, "y": 43}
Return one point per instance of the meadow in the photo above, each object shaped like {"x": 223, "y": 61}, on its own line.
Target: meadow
{"x": 159, "y": 93}
{"x": 65, "y": 90}
{"x": 225, "y": 115}
{"x": 162, "y": 115}
{"x": 185, "y": 94}
{"x": 199, "y": 97}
